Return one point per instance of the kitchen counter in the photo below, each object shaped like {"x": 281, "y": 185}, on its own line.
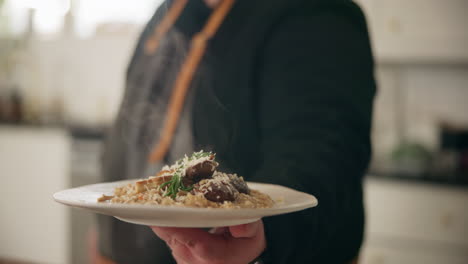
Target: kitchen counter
{"x": 413, "y": 222}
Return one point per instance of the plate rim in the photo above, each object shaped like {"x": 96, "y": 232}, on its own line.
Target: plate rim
{"x": 312, "y": 202}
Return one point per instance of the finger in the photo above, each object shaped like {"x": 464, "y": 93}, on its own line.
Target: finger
{"x": 179, "y": 249}
{"x": 245, "y": 230}
{"x": 201, "y": 244}
{"x": 250, "y": 242}
{"x": 188, "y": 236}
{"x": 219, "y": 230}
{"x": 181, "y": 261}
{"x": 160, "y": 232}
{"x": 182, "y": 254}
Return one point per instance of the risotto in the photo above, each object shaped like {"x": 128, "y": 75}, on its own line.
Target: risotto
{"x": 192, "y": 181}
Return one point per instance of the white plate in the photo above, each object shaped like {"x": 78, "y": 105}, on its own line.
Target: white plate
{"x": 176, "y": 216}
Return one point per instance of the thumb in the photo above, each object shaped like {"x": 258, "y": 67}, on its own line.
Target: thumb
{"x": 246, "y": 230}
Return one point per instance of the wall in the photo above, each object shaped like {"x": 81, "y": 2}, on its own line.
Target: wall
{"x": 82, "y": 77}
{"x": 420, "y": 48}
{"x": 413, "y": 100}
{"x": 422, "y": 69}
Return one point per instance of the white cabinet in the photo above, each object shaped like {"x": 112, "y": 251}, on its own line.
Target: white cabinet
{"x": 415, "y": 223}
{"x": 418, "y": 31}
{"x": 84, "y": 77}
{"x": 34, "y": 163}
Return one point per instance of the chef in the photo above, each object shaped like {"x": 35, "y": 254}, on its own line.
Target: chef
{"x": 282, "y": 91}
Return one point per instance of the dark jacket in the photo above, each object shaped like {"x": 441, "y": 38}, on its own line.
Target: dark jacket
{"x": 288, "y": 101}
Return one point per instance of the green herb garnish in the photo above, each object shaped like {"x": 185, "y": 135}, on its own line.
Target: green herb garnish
{"x": 174, "y": 185}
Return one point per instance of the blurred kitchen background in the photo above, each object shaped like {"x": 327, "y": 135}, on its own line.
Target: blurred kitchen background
{"x": 62, "y": 66}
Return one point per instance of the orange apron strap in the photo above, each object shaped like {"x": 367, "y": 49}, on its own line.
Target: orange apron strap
{"x": 182, "y": 83}
{"x": 102, "y": 260}
{"x": 166, "y": 23}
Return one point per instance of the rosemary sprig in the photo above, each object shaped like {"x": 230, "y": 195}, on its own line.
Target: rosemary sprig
{"x": 174, "y": 185}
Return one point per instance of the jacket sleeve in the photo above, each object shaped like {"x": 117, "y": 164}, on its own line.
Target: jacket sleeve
{"x": 315, "y": 101}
